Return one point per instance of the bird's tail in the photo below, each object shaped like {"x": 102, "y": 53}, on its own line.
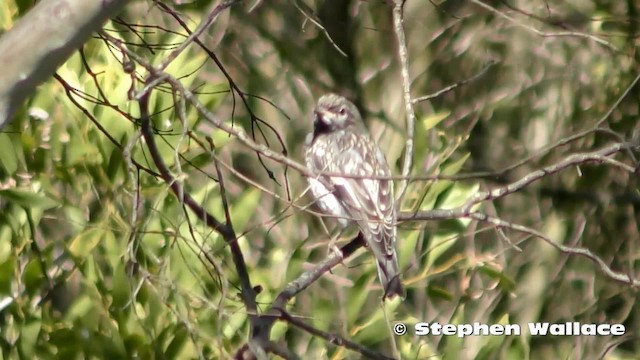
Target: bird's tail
{"x": 390, "y": 277}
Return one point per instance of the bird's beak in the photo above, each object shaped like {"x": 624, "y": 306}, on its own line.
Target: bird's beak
{"x": 317, "y": 117}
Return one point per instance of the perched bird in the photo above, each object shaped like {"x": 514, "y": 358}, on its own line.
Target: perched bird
{"x": 340, "y": 144}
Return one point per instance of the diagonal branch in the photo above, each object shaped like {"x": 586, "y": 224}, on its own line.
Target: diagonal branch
{"x": 624, "y": 278}
{"x": 466, "y": 210}
{"x": 452, "y": 87}
{"x": 571, "y": 160}
{"x": 333, "y": 338}
{"x": 265, "y": 322}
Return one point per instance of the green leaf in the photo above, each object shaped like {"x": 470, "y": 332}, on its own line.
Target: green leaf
{"x": 457, "y": 196}
{"x": 8, "y": 156}
{"x": 7, "y": 271}
{"x": 81, "y": 152}
{"x": 358, "y": 296}
{"x": 63, "y": 338}
{"x": 82, "y": 307}
{"x": 295, "y": 263}
{"x": 28, "y": 338}
{"x": 32, "y": 276}
{"x": 76, "y": 218}
{"x": 440, "y": 243}
{"x": 406, "y": 244}
{"x": 279, "y": 330}
{"x": 28, "y": 200}
{"x": 454, "y": 167}
{"x": 436, "y": 292}
{"x": 82, "y": 245}
{"x": 506, "y": 282}
{"x": 375, "y": 329}
{"x": 201, "y": 160}
{"x": 180, "y": 337}
{"x": 243, "y": 209}
{"x": 431, "y": 121}
{"x": 121, "y": 288}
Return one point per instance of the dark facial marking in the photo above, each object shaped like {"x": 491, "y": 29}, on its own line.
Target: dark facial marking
{"x": 319, "y": 125}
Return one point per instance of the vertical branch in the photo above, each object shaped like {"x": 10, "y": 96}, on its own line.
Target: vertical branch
{"x": 403, "y": 55}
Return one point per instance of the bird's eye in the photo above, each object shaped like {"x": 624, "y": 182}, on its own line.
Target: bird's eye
{"x": 342, "y": 111}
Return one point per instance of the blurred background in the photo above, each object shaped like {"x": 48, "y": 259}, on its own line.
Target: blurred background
{"x": 98, "y": 258}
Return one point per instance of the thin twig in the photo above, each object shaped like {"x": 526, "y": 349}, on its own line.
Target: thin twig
{"x": 467, "y": 210}
{"x": 499, "y": 192}
{"x": 596, "y": 39}
{"x": 202, "y": 27}
{"x": 624, "y": 278}
{"x": 458, "y": 84}
{"x": 247, "y": 292}
{"x": 313, "y": 18}
{"x": 571, "y": 160}
{"x": 235, "y": 90}
{"x": 403, "y": 55}
{"x": 266, "y": 321}
{"x": 333, "y": 338}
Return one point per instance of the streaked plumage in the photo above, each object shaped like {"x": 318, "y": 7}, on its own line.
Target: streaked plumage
{"x": 340, "y": 144}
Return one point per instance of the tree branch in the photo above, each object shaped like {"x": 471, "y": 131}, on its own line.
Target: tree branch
{"x": 333, "y": 338}
{"x": 403, "y": 55}
{"x": 466, "y": 210}
{"x": 42, "y": 40}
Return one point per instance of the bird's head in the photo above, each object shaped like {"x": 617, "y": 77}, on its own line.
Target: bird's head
{"x": 334, "y": 112}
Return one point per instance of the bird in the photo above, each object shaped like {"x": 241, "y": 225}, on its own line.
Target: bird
{"x": 340, "y": 144}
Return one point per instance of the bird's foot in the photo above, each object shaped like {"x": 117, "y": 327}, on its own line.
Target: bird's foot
{"x": 333, "y": 248}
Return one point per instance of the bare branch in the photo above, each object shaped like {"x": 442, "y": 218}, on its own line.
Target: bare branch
{"x": 332, "y": 338}
{"x": 403, "y": 55}
{"x": 567, "y": 140}
{"x": 624, "y": 278}
{"x": 465, "y": 210}
{"x": 571, "y": 160}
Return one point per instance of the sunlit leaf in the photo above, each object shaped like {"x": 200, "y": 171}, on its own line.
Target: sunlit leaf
{"x": 82, "y": 245}
{"x": 431, "y": 121}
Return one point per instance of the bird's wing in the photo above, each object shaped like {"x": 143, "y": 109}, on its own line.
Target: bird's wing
{"x": 370, "y": 202}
